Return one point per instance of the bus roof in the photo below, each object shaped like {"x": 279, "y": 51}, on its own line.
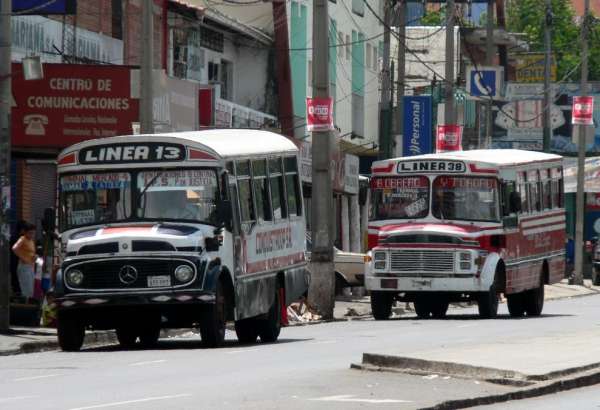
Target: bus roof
{"x": 493, "y": 157}
{"x": 225, "y": 143}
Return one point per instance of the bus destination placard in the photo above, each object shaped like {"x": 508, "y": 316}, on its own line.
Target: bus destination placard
{"x": 133, "y": 152}
{"x": 429, "y": 166}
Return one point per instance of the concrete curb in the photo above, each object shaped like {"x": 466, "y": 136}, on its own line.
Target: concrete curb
{"x": 528, "y": 386}
{"x": 525, "y": 393}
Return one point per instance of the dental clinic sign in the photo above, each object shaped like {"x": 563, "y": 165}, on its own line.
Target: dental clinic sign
{"x": 319, "y": 114}
{"x": 417, "y": 125}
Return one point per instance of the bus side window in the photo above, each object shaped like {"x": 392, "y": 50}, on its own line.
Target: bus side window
{"x": 508, "y": 192}
{"x": 292, "y": 186}
{"x": 278, "y": 199}
{"x": 261, "y": 190}
{"x": 524, "y": 202}
{"x": 245, "y": 191}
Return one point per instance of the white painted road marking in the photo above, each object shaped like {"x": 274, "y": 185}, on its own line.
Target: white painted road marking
{"x": 22, "y": 379}
{"x": 123, "y": 403}
{"x": 241, "y": 351}
{"x": 150, "y": 362}
{"x": 348, "y": 398}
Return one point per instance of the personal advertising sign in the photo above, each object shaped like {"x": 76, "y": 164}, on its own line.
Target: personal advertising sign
{"x": 449, "y": 138}
{"x": 583, "y": 111}
{"x": 72, "y": 103}
{"x": 319, "y": 114}
{"x": 417, "y": 125}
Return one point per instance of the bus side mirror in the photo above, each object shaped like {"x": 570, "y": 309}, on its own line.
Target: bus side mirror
{"x": 514, "y": 202}
{"x": 224, "y": 214}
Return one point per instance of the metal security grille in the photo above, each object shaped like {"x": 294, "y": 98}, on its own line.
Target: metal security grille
{"x": 422, "y": 260}
{"x": 104, "y": 274}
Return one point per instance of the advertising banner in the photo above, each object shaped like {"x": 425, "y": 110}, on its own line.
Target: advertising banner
{"x": 530, "y": 68}
{"x": 449, "y": 138}
{"x": 44, "y": 7}
{"x": 72, "y": 103}
{"x": 583, "y": 111}
{"x": 417, "y": 125}
{"x": 319, "y": 114}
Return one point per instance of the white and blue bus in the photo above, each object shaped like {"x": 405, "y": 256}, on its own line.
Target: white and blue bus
{"x": 179, "y": 230}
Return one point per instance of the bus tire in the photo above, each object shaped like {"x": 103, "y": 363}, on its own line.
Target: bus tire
{"x": 422, "y": 307}
{"x": 534, "y": 299}
{"x": 212, "y": 321}
{"x": 381, "y": 305}
{"x": 246, "y": 330}
{"x": 127, "y": 336}
{"x": 70, "y": 332}
{"x": 515, "y": 304}
{"x": 439, "y": 308}
{"x": 270, "y": 327}
{"x": 487, "y": 303}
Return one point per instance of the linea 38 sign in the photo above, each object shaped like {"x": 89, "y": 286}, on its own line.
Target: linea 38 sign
{"x": 431, "y": 166}
{"x": 142, "y": 152}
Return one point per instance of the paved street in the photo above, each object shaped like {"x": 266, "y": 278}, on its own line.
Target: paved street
{"x": 581, "y": 399}
{"x": 308, "y": 368}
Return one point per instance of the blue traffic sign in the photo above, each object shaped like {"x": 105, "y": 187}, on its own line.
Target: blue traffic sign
{"x": 484, "y": 81}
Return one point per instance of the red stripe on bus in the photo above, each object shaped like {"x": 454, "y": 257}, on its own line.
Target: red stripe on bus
{"x": 385, "y": 169}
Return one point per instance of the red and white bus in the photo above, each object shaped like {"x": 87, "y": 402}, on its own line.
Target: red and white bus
{"x": 180, "y": 230}
{"x": 466, "y": 225}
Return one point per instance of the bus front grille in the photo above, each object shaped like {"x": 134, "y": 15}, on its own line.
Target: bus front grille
{"x": 422, "y": 260}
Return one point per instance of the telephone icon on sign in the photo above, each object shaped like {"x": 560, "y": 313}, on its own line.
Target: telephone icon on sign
{"x": 35, "y": 124}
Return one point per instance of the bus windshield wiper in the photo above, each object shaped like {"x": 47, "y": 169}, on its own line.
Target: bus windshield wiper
{"x": 147, "y": 186}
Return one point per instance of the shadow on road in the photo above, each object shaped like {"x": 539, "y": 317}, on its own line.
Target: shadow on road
{"x": 476, "y": 317}
{"x": 193, "y": 343}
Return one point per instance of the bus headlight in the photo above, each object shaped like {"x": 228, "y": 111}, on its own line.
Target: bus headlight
{"x": 184, "y": 273}
{"x": 380, "y": 256}
{"x": 465, "y": 257}
{"x": 379, "y": 265}
{"x": 74, "y": 277}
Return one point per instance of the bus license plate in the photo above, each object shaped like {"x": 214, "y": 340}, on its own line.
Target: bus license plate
{"x": 159, "y": 281}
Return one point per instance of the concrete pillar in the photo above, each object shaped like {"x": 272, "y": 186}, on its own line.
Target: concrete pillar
{"x": 364, "y": 221}
{"x": 345, "y": 219}
{"x": 355, "y": 238}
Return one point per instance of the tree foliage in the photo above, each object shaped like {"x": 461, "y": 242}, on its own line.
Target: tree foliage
{"x": 528, "y": 16}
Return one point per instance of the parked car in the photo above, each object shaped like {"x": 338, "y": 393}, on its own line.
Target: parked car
{"x": 349, "y": 266}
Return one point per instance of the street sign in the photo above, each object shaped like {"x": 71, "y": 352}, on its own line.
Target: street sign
{"x": 583, "y": 111}
{"x": 417, "y": 125}
{"x": 319, "y": 114}
{"x": 484, "y": 82}
{"x": 448, "y": 138}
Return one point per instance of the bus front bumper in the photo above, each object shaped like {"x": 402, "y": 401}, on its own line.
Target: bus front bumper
{"x": 427, "y": 284}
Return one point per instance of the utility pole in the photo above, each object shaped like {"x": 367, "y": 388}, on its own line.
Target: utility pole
{"x": 582, "y": 131}
{"x": 449, "y": 113}
{"x": 322, "y": 285}
{"x": 547, "y": 57}
{"x": 146, "y": 64}
{"x": 489, "y": 60}
{"x": 5, "y": 100}
{"x": 401, "y": 6}
{"x": 384, "y": 109}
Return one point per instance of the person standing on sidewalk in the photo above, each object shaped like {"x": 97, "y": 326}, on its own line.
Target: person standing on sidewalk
{"x": 25, "y": 251}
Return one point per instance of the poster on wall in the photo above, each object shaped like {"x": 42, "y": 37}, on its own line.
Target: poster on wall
{"x": 583, "y": 111}
{"x": 448, "y": 138}
{"x": 319, "y": 114}
{"x": 518, "y": 121}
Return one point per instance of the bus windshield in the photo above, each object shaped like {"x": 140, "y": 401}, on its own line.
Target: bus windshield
{"x": 94, "y": 198}
{"x": 400, "y": 198}
{"x": 465, "y": 198}
{"x": 178, "y": 194}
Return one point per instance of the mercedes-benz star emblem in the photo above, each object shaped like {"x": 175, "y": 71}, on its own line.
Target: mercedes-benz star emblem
{"x": 128, "y": 274}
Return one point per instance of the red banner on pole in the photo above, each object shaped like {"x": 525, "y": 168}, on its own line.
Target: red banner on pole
{"x": 583, "y": 111}
{"x": 448, "y": 138}
{"x": 319, "y": 114}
